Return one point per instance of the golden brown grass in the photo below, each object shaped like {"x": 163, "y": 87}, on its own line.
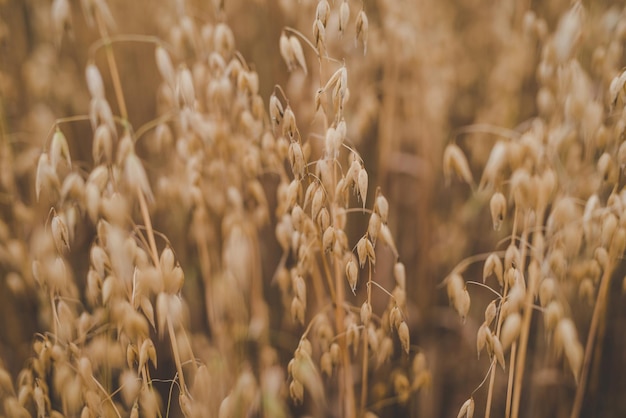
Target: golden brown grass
{"x": 252, "y": 208}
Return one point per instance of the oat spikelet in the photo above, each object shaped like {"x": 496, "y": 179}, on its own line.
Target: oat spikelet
{"x": 362, "y": 28}
{"x": 467, "y": 409}
{"x": 567, "y": 340}
{"x": 403, "y": 335}
{"x": 60, "y": 234}
{"x": 94, "y": 82}
{"x": 344, "y": 16}
{"x": 352, "y": 273}
{"x": 510, "y": 329}
{"x": 165, "y": 66}
{"x": 136, "y": 176}
{"x": 323, "y": 12}
{"x": 497, "y": 204}
{"x": 286, "y": 51}
{"x": 362, "y": 182}
{"x": 493, "y": 265}
{"x": 454, "y": 162}
{"x": 59, "y": 150}
{"x": 298, "y": 53}
{"x": 61, "y": 16}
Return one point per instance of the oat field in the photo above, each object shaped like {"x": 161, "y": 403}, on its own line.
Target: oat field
{"x": 312, "y": 208}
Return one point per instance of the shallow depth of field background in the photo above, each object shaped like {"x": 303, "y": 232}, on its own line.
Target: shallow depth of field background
{"x": 435, "y": 72}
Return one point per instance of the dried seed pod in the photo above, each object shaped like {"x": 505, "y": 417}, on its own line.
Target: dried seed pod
{"x": 136, "y": 177}
{"x": 352, "y": 273}
{"x": 510, "y": 329}
{"x": 286, "y": 51}
{"x": 467, "y": 409}
{"x": 59, "y": 150}
{"x": 94, "y": 81}
{"x": 46, "y": 176}
{"x": 298, "y": 53}
{"x": 102, "y": 149}
{"x": 454, "y": 162}
{"x": 381, "y": 207}
{"x": 224, "y": 40}
{"x": 566, "y": 338}
{"x": 552, "y": 315}
{"x": 296, "y": 391}
{"x": 366, "y": 313}
{"x": 403, "y": 335}
{"x": 498, "y": 351}
{"x": 297, "y": 311}
{"x": 462, "y": 303}
{"x": 490, "y": 312}
{"x": 606, "y": 168}
{"x": 512, "y": 257}
{"x": 323, "y": 221}
{"x": 344, "y": 16}
{"x": 322, "y": 12}
{"x": 319, "y": 36}
{"x": 167, "y": 260}
{"x": 60, "y": 234}
{"x": 399, "y": 274}
{"x": 395, "y": 317}
{"x": 164, "y": 65}
{"x": 362, "y": 29}
{"x": 328, "y": 239}
{"x": 317, "y": 202}
{"x": 493, "y": 265}
{"x": 497, "y": 204}
{"x": 602, "y": 257}
{"x": 299, "y": 288}
{"x": 61, "y": 18}
{"x": 515, "y": 301}
{"x": 374, "y": 226}
{"x": 186, "y": 90}
{"x": 289, "y": 123}
{"x": 276, "y": 110}
{"x": 481, "y": 337}
{"x": 362, "y": 182}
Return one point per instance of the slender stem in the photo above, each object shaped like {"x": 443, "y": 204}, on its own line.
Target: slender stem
{"x": 526, "y": 319}
{"x": 179, "y": 366}
{"x": 492, "y": 378}
{"x": 509, "y": 386}
{"x": 109, "y": 40}
{"x": 115, "y": 76}
{"x": 55, "y": 317}
{"x": 598, "y": 315}
{"x": 493, "y": 362}
{"x": 146, "y": 219}
{"x": 107, "y": 396}
{"x": 364, "y": 375}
